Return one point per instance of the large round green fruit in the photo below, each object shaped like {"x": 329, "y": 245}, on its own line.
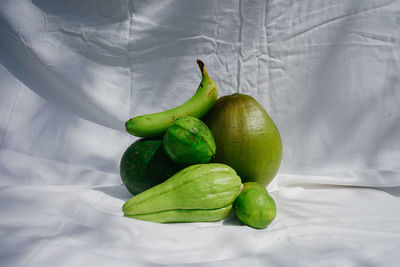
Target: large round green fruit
{"x": 246, "y": 138}
{"x": 145, "y": 164}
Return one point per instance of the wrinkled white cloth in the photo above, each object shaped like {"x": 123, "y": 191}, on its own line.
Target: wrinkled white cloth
{"x": 72, "y": 72}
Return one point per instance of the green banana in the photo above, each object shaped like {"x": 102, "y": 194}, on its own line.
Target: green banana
{"x": 198, "y": 105}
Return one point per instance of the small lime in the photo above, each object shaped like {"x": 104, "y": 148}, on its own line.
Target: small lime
{"x": 254, "y": 206}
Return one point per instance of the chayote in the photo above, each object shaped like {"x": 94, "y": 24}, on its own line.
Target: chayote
{"x": 198, "y": 193}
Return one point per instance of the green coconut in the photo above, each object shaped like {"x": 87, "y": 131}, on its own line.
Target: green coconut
{"x": 246, "y": 138}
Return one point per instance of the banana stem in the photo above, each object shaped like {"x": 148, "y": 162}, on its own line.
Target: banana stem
{"x": 203, "y": 70}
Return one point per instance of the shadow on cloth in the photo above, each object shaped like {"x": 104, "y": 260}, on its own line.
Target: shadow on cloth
{"x": 115, "y": 191}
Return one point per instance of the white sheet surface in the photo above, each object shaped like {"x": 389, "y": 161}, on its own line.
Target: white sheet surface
{"x": 72, "y": 72}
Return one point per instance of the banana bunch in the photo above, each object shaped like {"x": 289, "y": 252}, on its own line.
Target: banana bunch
{"x": 155, "y": 124}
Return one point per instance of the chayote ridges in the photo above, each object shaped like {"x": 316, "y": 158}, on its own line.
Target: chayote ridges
{"x": 193, "y": 194}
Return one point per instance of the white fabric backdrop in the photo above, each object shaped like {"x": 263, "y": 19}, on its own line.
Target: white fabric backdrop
{"x": 72, "y": 72}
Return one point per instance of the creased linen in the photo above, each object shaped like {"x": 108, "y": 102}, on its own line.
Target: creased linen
{"x": 72, "y": 72}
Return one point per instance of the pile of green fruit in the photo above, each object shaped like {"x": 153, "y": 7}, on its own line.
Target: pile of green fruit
{"x": 202, "y": 159}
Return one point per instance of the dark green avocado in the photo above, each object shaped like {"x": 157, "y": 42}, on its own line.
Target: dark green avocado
{"x": 144, "y": 164}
